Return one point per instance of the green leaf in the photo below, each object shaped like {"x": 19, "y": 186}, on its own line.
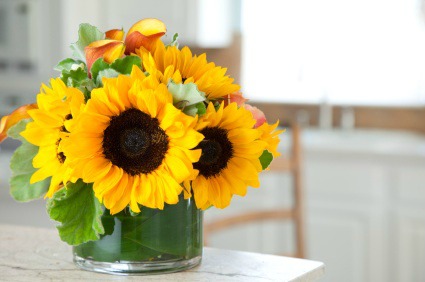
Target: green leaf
{"x": 22, "y": 169}
{"x": 86, "y": 35}
{"x": 186, "y": 92}
{"x": 74, "y": 78}
{"x": 125, "y": 65}
{"x": 15, "y": 131}
{"x": 193, "y": 110}
{"x": 108, "y": 222}
{"x": 265, "y": 159}
{"x": 217, "y": 105}
{"x": 86, "y": 87}
{"x": 105, "y": 73}
{"x": 79, "y": 213}
{"x": 69, "y": 64}
{"x": 186, "y": 95}
{"x": 78, "y": 78}
{"x": 74, "y": 74}
{"x": 98, "y": 65}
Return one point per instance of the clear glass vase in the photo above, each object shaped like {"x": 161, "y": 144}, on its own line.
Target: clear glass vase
{"x": 153, "y": 241}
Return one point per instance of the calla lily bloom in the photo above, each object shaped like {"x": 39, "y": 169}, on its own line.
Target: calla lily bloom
{"x": 115, "y": 34}
{"x": 257, "y": 114}
{"x": 17, "y": 115}
{"x": 108, "y": 49}
{"x": 144, "y": 33}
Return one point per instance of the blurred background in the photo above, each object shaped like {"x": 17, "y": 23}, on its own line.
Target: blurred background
{"x": 350, "y": 73}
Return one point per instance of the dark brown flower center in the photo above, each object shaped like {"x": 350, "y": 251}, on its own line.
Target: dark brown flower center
{"x": 134, "y": 142}
{"x": 67, "y": 117}
{"x": 217, "y": 150}
{"x": 60, "y": 155}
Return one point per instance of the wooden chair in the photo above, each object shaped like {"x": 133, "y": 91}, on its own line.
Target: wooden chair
{"x": 288, "y": 164}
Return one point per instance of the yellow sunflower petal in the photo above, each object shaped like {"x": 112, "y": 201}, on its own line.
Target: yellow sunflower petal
{"x": 148, "y": 186}
{"x": 45, "y": 154}
{"x": 108, "y": 182}
{"x": 220, "y": 196}
{"x": 96, "y": 168}
{"x": 40, "y": 136}
{"x": 172, "y": 189}
{"x": 177, "y": 168}
{"x": 45, "y": 172}
{"x": 123, "y": 201}
{"x": 200, "y": 191}
{"x": 136, "y": 189}
{"x": 54, "y": 186}
{"x": 113, "y": 196}
{"x": 236, "y": 185}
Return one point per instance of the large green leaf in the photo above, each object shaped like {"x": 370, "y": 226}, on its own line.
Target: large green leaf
{"x": 86, "y": 35}
{"x": 165, "y": 231}
{"x": 22, "y": 169}
{"x": 79, "y": 213}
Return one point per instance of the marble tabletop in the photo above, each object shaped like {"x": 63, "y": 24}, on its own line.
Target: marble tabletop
{"x": 37, "y": 254}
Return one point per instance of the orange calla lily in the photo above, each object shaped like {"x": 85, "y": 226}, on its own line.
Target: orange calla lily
{"x": 144, "y": 33}
{"x": 108, "y": 49}
{"x": 115, "y": 34}
{"x": 17, "y": 115}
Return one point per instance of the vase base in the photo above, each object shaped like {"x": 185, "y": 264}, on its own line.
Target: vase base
{"x": 136, "y": 268}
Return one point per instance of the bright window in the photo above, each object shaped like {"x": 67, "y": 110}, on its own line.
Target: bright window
{"x": 344, "y": 51}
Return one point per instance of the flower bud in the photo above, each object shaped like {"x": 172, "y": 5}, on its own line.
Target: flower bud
{"x": 115, "y": 34}
{"x": 108, "y": 49}
{"x": 144, "y": 33}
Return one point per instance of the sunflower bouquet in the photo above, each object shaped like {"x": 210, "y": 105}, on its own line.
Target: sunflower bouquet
{"x": 134, "y": 127}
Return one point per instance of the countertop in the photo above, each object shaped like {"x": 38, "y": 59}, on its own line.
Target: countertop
{"x": 37, "y": 254}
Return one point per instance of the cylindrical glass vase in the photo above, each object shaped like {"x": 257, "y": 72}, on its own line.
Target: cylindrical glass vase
{"x": 153, "y": 241}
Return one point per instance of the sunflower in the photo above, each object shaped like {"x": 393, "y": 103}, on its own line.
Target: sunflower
{"x": 183, "y": 67}
{"x": 230, "y": 156}
{"x": 49, "y": 130}
{"x": 133, "y": 144}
